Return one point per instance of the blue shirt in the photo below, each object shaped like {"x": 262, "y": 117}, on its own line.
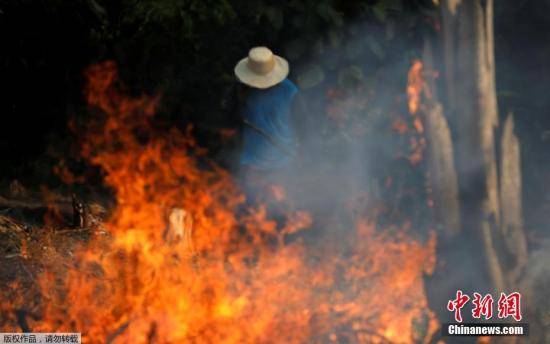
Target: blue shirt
{"x": 268, "y": 110}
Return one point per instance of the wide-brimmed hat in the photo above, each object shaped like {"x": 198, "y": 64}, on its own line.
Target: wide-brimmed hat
{"x": 262, "y": 68}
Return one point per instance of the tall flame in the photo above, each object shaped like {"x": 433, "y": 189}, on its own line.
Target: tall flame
{"x": 415, "y": 86}
{"x": 243, "y": 282}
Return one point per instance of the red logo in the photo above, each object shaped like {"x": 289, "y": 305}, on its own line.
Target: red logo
{"x": 482, "y": 306}
{"x": 508, "y": 306}
{"x": 457, "y": 304}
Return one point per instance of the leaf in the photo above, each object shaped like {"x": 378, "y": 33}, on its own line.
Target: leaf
{"x": 296, "y": 48}
{"x": 380, "y": 13}
{"x": 394, "y": 5}
{"x": 354, "y": 49}
{"x": 335, "y": 38}
{"x": 350, "y": 76}
{"x": 297, "y": 23}
{"x": 323, "y": 10}
{"x": 376, "y": 47}
{"x": 310, "y": 76}
{"x": 297, "y": 5}
{"x": 382, "y": 9}
{"x": 329, "y": 14}
{"x": 318, "y": 47}
{"x": 275, "y": 17}
{"x": 331, "y": 60}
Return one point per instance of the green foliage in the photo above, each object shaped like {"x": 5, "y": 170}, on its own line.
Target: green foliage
{"x": 349, "y": 57}
{"x": 311, "y": 76}
{"x": 383, "y": 9}
{"x": 187, "y": 14}
{"x": 187, "y": 48}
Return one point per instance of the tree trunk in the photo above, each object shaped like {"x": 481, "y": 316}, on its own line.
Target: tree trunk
{"x": 443, "y": 181}
{"x": 469, "y": 58}
{"x": 441, "y": 167}
{"x": 515, "y": 243}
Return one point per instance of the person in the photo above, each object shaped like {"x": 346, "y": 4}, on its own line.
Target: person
{"x": 268, "y": 145}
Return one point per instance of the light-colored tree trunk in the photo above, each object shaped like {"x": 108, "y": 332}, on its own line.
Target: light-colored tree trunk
{"x": 515, "y": 243}
{"x": 179, "y": 231}
{"x": 442, "y": 175}
{"x": 489, "y": 229}
{"x": 470, "y": 72}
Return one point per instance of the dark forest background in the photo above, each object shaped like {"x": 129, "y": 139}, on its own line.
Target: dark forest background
{"x": 186, "y": 49}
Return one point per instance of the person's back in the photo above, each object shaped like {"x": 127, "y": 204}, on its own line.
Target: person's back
{"x": 268, "y": 139}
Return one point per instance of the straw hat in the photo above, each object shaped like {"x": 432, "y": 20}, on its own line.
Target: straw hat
{"x": 262, "y": 68}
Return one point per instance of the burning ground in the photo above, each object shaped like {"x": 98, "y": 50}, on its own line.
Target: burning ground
{"x": 181, "y": 257}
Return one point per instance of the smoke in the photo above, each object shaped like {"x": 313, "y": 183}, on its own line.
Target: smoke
{"x": 349, "y": 153}
{"x": 353, "y": 164}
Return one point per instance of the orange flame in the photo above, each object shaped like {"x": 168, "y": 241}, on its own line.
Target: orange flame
{"x": 415, "y": 86}
{"x": 245, "y": 283}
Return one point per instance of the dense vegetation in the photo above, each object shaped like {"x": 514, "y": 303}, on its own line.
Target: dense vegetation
{"x": 186, "y": 49}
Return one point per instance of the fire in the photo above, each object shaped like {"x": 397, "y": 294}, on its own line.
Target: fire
{"x": 415, "y": 86}
{"x": 242, "y": 282}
